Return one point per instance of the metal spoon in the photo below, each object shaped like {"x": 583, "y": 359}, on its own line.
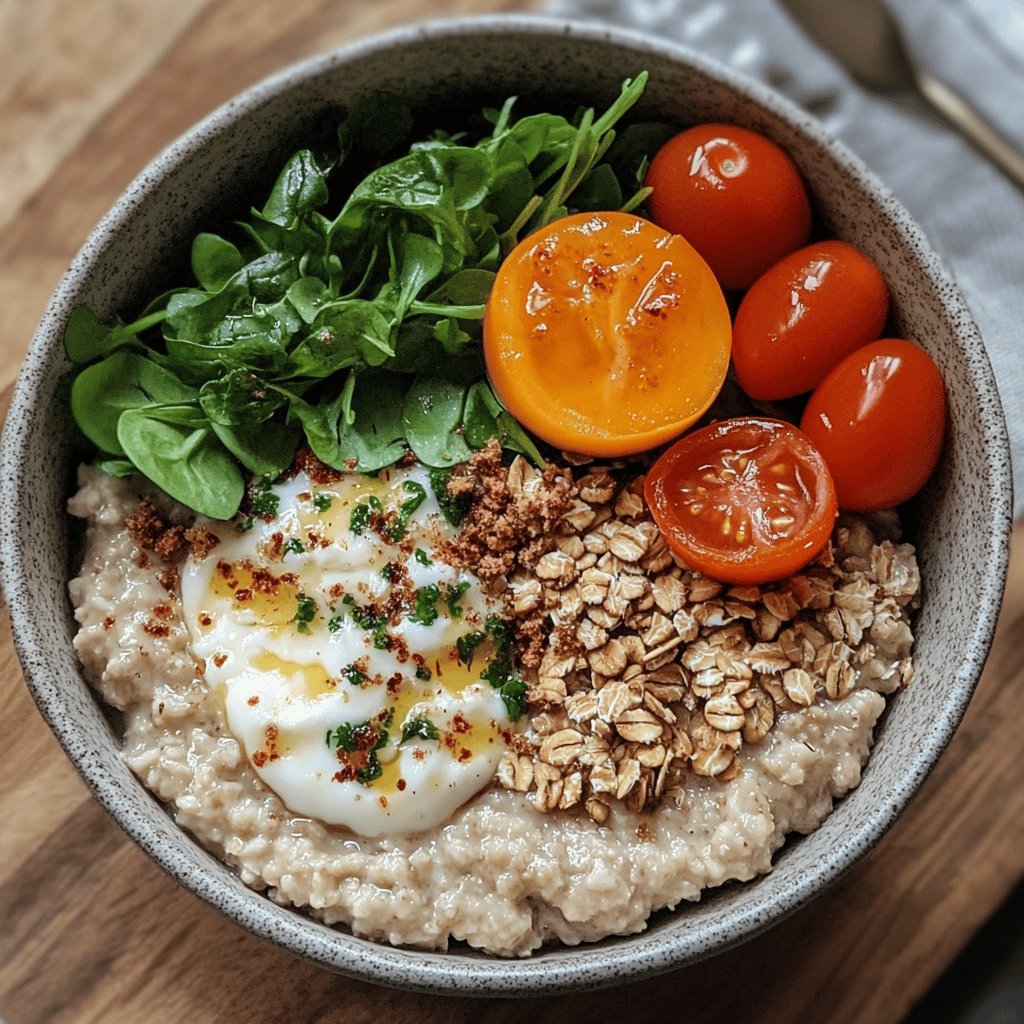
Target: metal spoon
{"x": 868, "y": 41}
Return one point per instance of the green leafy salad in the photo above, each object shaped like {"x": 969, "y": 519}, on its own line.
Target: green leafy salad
{"x": 348, "y": 320}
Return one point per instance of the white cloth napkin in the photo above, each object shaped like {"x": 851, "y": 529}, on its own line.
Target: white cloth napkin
{"x": 971, "y": 214}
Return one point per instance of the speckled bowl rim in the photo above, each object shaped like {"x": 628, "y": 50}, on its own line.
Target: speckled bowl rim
{"x": 625, "y": 959}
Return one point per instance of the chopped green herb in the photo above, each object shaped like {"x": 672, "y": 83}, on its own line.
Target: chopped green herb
{"x": 499, "y": 631}
{"x": 467, "y": 644}
{"x": 423, "y": 673}
{"x": 244, "y": 525}
{"x": 335, "y": 623}
{"x": 513, "y": 695}
{"x": 265, "y": 503}
{"x": 422, "y": 557}
{"x": 294, "y": 547}
{"x": 369, "y": 737}
{"x": 419, "y": 728}
{"x": 388, "y": 571}
{"x": 452, "y": 508}
{"x": 360, "y": 518}
{"x": 305, "y": 612}
{"x": 372, "y": 622}
{"x": 418, "y": 495}
{"x": 501, "y": 672}
{"x": 354, "y": 675}
{"x": 425, "y": 612}
{"x": 454, "y": 598}
{"x": 322, "y": 502}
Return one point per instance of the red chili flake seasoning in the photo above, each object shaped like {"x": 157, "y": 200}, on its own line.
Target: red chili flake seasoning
{"x": 270, "y": 752}
{"x": 275, "y": 546}
{"x": 400, "y": 785}
{"x": 398, "y": 647}
{"x": 163, "y": 611}
{"x": 253, "y": 701}
{"x": 219, "y": 659}
{"x": 460, "y": 725}
{"x": 243, "y": 595}
{"x": 169, "y": 579}
{"x": 156, "y": 628}
{"x": 204, "y": 619}
{"x": 108, "y": 622}
{"x": 383, "y": 802}
{"x": 464, "y": 755}
{"x": 394, "y": 684}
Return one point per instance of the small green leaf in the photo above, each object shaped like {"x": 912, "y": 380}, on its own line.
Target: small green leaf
{"x": 300, "y": 187}
{"x": 182, "y": 455}
{"x": 87, "y": 337}
{"x": 418, "y": 728}
{"x": 265, "y": 449}
{"x": 308, "y": 295}
{"x": 114, "y": 466}
{"x": 124, "y": 380}
{"x": 374, "y": 439}
{"x": 215, "y": 261}
{"x": 240, "y": 397}
{"x": 469, "y": 287}
{"x": 431, "y": 415}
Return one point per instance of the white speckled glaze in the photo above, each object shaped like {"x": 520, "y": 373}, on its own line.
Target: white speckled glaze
{"x": 964, "y": 515}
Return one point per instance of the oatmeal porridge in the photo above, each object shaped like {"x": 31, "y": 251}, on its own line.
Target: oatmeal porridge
{"x": 675, "y": 729}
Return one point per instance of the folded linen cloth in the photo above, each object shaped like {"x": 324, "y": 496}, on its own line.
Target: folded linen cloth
{"x": 972, "y": 215}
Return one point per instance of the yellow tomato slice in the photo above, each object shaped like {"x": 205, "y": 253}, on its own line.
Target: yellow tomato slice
{"x": 606, "y": 335}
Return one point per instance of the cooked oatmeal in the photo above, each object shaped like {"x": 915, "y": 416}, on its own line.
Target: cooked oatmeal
{"x": 677, "y": 729}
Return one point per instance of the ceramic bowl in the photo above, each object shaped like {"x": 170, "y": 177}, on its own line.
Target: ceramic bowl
{"x": 962, "y": 531}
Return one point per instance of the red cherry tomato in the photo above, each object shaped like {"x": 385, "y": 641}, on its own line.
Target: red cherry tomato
{"x": 803, "y": 316}
{"x": 879, "y": 418}
{"x": 746, "y": 500}
{"x": 734, "y": 195}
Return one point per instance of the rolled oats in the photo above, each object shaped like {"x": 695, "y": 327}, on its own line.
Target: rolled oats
{"x": 646, "y": 670}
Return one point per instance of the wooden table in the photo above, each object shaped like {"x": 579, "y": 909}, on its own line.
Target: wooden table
{"x": 90, "y": 929}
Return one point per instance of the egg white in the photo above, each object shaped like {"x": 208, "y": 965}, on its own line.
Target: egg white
{"x": 288, "y": 685}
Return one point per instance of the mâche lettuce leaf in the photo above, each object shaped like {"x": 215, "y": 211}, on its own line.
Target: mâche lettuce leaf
{"x": 348, "y": 320}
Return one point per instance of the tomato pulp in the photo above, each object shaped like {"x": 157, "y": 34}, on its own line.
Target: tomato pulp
{"x": 745, "y": 500}
{"x": 605, "y": 334}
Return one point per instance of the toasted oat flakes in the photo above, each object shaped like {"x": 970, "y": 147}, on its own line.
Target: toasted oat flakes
{"x": 640, "y": 670}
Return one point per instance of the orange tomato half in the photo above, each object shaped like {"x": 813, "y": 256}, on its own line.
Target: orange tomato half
{"x": 745, "y": 500}
{"x": 606, "y": 335}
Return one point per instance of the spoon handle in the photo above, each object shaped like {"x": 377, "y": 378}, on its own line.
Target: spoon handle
{"x": 962, "y": 116}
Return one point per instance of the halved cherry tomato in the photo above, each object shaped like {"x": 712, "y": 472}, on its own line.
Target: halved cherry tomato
{"x": 606, "y": 335}
{"x": 879, "y": 418}
{"x": 734, "y": 195}
{"x": 746, "y": 500}
{"x": 805, "y": 314}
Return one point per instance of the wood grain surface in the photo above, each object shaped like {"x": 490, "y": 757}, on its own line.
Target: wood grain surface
{"x": 90, "y": 929}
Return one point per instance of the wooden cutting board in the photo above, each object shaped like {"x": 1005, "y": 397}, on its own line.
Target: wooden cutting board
{"x": 90, "y": 929}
